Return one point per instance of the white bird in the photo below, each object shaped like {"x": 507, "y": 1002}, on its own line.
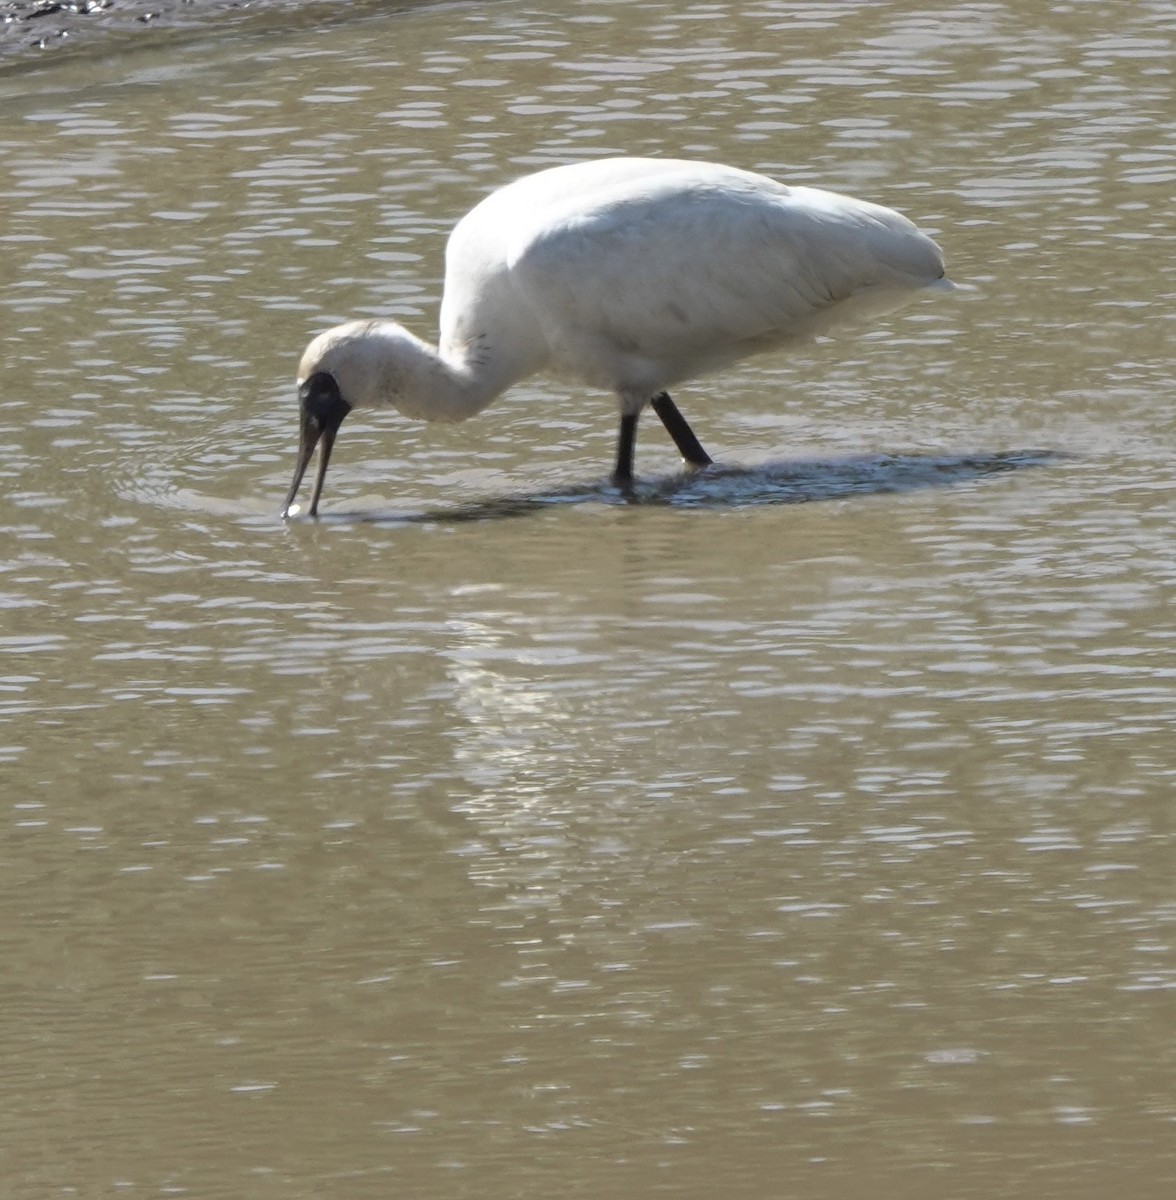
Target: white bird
{"x": 627, "y": 274}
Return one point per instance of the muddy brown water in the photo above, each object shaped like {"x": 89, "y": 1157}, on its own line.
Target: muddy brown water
{"x": 805, "y": 831}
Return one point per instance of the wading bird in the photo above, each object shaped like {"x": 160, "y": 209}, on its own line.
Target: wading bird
{"x": 626, "y": 274}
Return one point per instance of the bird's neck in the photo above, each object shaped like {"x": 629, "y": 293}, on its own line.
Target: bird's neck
{"x": 432, "y": 384}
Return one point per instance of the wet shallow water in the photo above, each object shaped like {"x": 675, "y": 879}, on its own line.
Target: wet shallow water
{"x": 804, "y": 830}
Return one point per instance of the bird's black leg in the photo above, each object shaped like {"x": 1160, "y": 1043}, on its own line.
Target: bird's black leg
{"x": 676, "y": 426}
{"x": 626, "y": 440}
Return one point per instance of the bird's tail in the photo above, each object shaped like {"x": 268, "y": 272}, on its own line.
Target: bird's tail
{"x": 943, "y": 284}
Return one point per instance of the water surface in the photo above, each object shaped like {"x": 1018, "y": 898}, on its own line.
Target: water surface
{"x": 806, "y": 830}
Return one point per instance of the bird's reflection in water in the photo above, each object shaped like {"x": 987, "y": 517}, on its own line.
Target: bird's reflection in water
{"x": 798, "y": 481}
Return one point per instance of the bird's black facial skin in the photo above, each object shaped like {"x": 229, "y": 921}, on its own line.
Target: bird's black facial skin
{"x": 322, "y": 409}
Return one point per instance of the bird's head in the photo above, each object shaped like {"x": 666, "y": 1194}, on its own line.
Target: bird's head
{"x": 341, "y": 369}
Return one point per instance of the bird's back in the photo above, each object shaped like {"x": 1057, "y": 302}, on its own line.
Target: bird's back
{"x": 636, "y": 273}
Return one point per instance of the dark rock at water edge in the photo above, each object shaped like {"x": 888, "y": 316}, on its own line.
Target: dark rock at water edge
{"x": 36, "y": 31}
{"x": 40, "y": 26}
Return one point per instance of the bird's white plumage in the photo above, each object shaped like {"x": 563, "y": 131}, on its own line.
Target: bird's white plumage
{"x": 631, "y": 275}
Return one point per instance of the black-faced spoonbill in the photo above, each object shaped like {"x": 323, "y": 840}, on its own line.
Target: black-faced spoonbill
{"x": 627, "y": 274}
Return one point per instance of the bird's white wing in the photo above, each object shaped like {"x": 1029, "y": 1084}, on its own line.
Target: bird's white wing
{"x": 641, "y": 289}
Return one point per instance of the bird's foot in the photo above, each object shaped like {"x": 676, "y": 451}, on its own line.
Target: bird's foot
{"x": 625, "y": 485}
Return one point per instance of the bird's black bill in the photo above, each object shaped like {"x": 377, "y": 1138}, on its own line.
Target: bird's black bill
{"x": 322, "y": 409}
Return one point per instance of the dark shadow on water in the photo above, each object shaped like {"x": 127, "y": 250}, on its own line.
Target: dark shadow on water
{"x": 800, "y": 481}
